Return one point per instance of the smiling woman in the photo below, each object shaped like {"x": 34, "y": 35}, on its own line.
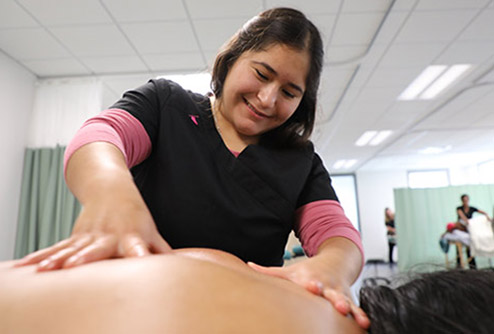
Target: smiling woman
{"x": 165, "y": 168}
{"x": 189, "y": 291}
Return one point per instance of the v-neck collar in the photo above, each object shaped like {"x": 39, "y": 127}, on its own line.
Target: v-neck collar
{"x": 211, "y": 127}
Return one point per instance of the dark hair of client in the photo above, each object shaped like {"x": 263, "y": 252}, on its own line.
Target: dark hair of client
{"x": 455, "y": 301}
{"x": 288, "y": 27}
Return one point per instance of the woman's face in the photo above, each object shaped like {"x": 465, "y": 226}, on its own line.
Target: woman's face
{"x": 263, "y": 89}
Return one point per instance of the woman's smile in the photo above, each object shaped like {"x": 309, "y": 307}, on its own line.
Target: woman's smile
{"x": 255, "y": 111}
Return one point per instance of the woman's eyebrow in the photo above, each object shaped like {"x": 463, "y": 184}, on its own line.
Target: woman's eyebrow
{"x": 270, "y": 69}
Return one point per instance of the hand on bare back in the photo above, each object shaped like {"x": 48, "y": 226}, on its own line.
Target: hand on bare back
{"x": 102, "y": 231}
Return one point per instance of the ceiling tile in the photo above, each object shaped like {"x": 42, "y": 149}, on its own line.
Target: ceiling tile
{"x": 481, "y": 29}
{"x": 161, "y": 37}
{"x": 343, "y": 54}
{"x": 446, "y": 117}
{"x": 489, "y": 77}
{"x": 392, "y": 77}
{"x": 210, "y": 57}
{"x": 411, "y": 109}
{"x": 404, "y": 5}
{"x": 450, "y": 4}
{"x": 30, "y": 43}
{"x": 391, "y": 27}
{"x": 95, "y": 40}
{"x": 13, "y": 16}
{"x": 486, "y": 121}
{"x": 146, "y": 10}
{"x": 384, "y": 94}
{"x": 467, "y": 52}
{"x": 366, "y": 6}
{"x": 356, "y": 28}
{"x": 334, "y": 76}
{"x": 66, "y": 12}
{"x": 214, "y": 33}
{"x": 307, "y": 7}
{"x": 119, "y": 84}
{"x": 199, "y": 9}
{"x": 439, "y": 26}
{"x": 56, "y": 67}
{"x": 174, "y": 62}
{"x": 325, "y": 24}
{"x": 115, "y": 64}
{"x": 411, "y": 55}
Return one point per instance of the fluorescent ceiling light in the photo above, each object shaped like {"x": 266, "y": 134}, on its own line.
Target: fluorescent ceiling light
{"x": 365, "y": 138}
{"x": 344, "y": 164}
{"x": 373, "y": 138}
{"x": 422, "y": 82}
{"x": 445, "y": 80}
{"x": 380, "y": 137}
{"x": 339, "y": 164}
{"x": 195, "y": 82}
{"x": 435, "y": 150}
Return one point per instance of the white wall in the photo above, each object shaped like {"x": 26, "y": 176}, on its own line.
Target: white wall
{"x": 16, "y": 98}
{"x": 375, "y": 193}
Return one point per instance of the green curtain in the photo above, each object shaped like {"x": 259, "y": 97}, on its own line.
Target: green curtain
{"x": 421, "y": 218}
{"x": 47, "y": 209}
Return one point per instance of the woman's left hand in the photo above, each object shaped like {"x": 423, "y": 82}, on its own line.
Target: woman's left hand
{"x": 307, "y": 274}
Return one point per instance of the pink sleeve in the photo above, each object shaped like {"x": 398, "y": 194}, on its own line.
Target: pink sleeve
{"x": 318, "y": 221}
{"x": 117, "y": 127}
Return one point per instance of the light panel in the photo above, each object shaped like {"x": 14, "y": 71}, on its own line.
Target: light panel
{"x": 424, "y": 79}
{"x": 380, "y": 137}
{"x": 365, "y": 138}
{"x": 445, "y": 80}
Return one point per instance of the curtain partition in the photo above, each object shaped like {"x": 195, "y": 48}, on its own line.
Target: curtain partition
{"x": 47, "y": 209}
{"x": 421, "y": 218}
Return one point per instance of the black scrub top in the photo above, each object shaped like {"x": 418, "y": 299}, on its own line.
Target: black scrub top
{"x": 201, "y": 195}
{"x": 469, "y": 213}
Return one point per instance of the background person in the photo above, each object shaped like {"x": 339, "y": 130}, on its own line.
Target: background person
{"x": 389, "y": 218}
{"x": 465, "y": 212}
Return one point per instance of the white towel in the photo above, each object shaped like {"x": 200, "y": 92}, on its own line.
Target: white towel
{"x": 458, "y": 235}
{"x": 482, "y": 236}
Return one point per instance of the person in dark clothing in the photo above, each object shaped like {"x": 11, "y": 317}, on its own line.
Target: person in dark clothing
{"x": 465, "y": 212}
{"x": 391, "y": 232}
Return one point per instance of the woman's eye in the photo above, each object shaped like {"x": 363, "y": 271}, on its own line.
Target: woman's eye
{"x": 288, "y": 94}
{"x": 262, "y": 76}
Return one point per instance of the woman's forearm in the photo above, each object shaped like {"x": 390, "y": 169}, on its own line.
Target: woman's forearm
{"x": 98, "y": 172}
{"x": 462, "y": 216}
{"x": 341, "y": 258}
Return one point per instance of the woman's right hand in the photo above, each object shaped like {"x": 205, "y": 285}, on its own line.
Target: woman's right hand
{"x": 102, "y": 232}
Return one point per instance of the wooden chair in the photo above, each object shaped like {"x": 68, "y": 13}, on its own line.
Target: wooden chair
{"x": 459, "y": 248}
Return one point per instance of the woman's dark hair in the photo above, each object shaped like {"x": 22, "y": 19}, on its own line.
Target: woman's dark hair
{"x": 288, "y": 27}
{"x": 455, "y": 301}
{"x": 463, "y": 196}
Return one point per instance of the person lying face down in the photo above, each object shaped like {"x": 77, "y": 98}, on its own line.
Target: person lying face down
{"x": 210, "y": 291}
{"x": 455, "y": 301}
{"x": 185, "y": 291}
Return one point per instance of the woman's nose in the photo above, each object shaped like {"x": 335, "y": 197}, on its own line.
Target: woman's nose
{"x": 268, "y": 95}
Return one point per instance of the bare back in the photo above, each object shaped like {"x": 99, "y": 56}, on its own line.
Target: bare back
{"x": 190, "y": 291}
